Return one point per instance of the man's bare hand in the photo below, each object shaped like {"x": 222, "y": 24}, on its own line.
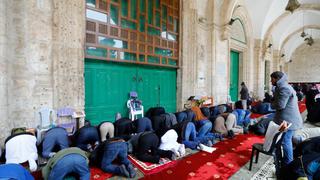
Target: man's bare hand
{"x": 283, "y": 126}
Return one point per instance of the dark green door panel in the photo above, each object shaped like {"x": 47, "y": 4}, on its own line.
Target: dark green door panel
{"x": 148, "y": 87}
{"x": 157, "y": 87}
{"x": 234, "y": 75}
{"x": 168, "y": 90}
{"x": 106, "y": 90}
{"x": 107, "y": 86}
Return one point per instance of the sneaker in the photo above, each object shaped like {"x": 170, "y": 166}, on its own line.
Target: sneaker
{"x": 124, "y": 171}
{"x": 131, "y": 170}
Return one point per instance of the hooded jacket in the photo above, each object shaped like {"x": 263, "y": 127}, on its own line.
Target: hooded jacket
{"x": 286, "y": 104}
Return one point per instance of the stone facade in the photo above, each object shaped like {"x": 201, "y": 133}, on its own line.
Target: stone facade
{"x": 41, "y": 45}
{"x": 42, "y": 55}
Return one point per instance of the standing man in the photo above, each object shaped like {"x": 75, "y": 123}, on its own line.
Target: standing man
{"x": 285, "y": 103}
{"x": 244, "y": 95}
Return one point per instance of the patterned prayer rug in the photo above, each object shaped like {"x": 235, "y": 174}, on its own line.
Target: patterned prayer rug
{"x": 150, "y": 168}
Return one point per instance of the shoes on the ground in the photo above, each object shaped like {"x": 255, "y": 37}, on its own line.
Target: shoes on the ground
{"x": 131, "y": 171}
{"x": 124, "y": 171}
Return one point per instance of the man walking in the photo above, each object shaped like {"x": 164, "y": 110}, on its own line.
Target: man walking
{"x": 244, "y": 95}
{"x": 285, "y": 103}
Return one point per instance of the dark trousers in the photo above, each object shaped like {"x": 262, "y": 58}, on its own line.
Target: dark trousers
{"x": 143, "y": 124}
{"x": 54, "y": 137}
{"x": 85, "y": 136}
{"x": 148, "y": 149}
{"x": 112, "y": 151}
{"x": 181, "y": 116}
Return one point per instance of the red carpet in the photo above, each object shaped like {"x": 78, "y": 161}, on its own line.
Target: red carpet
{"x": 229, "y": 157}
{"x": 255, "y": 115}
{"x": 149, "y": 168}
{"x": 302, "y": 108}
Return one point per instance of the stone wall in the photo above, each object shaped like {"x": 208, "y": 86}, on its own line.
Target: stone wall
{"x": 305, "y": 63}
{"x": 41, "y": 58}
{"x": 4, "y": 123}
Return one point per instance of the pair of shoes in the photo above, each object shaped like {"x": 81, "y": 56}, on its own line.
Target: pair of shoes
{"x": 132, "y": 171}
{"x": 124, "y": 171}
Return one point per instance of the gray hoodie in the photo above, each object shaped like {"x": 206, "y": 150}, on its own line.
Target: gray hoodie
{"x": 286, "y": 104}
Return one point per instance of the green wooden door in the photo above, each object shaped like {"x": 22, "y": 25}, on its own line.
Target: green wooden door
{"x": 234, "y": 75}
{"x": 157, "y": 87}
{"x": 107, "y": 87}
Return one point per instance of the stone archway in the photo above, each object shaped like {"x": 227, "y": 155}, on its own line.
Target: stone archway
{"x": 240, "y": 40}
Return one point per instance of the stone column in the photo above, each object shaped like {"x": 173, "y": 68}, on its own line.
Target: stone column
{"x": 188, "y": 58}
{"x": 68, "y": 53}
{"x": 258, "y": 69}
{"x": 4, "y": 122}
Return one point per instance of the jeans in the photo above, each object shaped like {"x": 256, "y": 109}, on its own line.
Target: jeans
{"x": 287, "y": 148}
{"x": 87, "y": 135}
{"x": 143, "y": 124}
{"x": 190, "y": 139}
{"x": 71, "y": 163}
{"x": 54, "y": 137}
{"x": 181, "y": 116}
{"x": 190, "y": 132}
{"x": 312, "y": 168}
{"x": 205, "y": 126}
{"x": 14, "y": 171}
{"x": 112, "y": 151}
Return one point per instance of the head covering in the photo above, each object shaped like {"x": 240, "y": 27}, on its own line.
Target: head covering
{"x": 277, "y": 75}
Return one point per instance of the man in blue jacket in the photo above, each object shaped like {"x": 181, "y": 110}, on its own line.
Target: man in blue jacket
{"x": 285, "y": 103}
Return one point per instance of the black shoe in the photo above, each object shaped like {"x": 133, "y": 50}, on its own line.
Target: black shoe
{"x": 230, "y": 134}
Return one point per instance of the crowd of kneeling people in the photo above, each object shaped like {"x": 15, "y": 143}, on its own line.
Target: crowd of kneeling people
{"x": 158, "y": 135}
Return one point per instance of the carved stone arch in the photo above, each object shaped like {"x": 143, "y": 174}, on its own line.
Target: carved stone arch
{"x": 267, "y": 35}
{"x": 297, "y": 31}
{"x": 243, "y": 21}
